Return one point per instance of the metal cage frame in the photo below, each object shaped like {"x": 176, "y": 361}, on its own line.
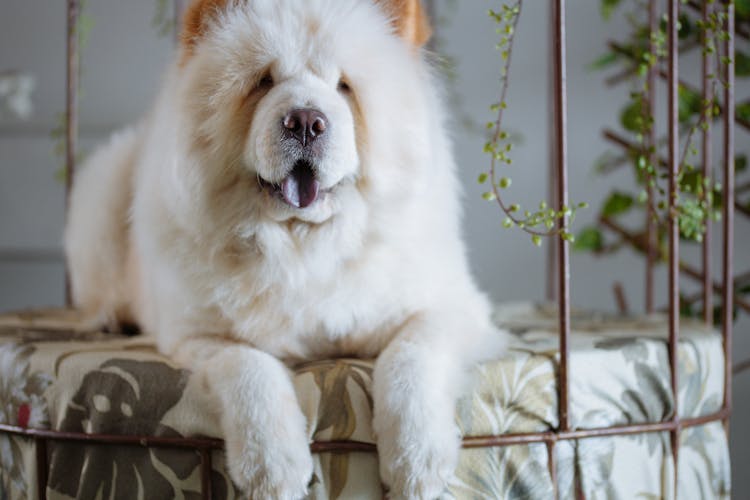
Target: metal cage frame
{"x": 559, "y": 258}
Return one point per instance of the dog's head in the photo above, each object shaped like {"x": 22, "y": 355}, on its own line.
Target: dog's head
{"x": 283, "y": 96}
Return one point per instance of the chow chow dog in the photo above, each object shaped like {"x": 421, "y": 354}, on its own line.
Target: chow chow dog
{"x": 292, "y": 196}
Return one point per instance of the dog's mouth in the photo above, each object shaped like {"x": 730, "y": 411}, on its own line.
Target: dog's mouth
{"x": 299, "y": 189}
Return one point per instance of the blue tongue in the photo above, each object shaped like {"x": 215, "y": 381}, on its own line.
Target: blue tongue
{"x": 300, "y": 188}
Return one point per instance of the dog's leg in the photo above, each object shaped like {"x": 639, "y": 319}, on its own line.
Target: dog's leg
{"x": 417, "y": 380}
{"x": 267, "y": 444}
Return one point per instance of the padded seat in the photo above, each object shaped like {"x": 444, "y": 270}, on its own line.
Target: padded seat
{"x": 54, "y": 374}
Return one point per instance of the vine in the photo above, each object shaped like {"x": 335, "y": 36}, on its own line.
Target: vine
{"x": 698, "y": 199}
{"x": 541, "y": 222}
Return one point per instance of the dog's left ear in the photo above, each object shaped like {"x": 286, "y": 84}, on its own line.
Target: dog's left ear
{"x": 410, "y": 20}
{"x": 195, "y": 22}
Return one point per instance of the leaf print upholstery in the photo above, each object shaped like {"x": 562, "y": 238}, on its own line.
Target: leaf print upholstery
{"x": 121, "y": 397}
{"x": 55, "y": 372}
{"x": 21, "y": 404}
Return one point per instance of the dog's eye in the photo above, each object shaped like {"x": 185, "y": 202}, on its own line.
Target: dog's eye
{"x": 344, "y": 87}
{"x": 266, "y": 81}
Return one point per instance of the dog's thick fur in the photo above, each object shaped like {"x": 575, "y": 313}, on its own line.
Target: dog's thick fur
{"x": 179, "y": 225}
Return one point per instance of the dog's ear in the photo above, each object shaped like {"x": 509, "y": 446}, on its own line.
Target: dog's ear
{"x": 195, "y": 22}
{"x": 410, "y": 20}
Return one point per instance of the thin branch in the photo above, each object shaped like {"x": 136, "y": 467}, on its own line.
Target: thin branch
{"x": 737, "y": 118}
{"x": 740, "y": 367}
{"x": 639, "y": 243}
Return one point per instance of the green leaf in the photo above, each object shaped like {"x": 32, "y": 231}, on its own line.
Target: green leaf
{"x": 743, "y": 9}
{"x": 590, "y": 239}
{"x": 608, "y": 7}
{"x": 618, "y": 203}
{"x": 740, "y": 163}
{"x": 686, "y": 308}
{"x": 742, "y": 64}
{"x": 604, "y": 61}
{"x": 743, "y": 111}
{"x": 631, "y": 118}
{"x": 689, "y": 104}
{"x": 719, "y": 314}
{"x": 691, "y": 181}
{"x": 686, "y": 27}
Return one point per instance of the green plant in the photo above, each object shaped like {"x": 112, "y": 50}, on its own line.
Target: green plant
{"x": 698, "y": 198}
{"x": 544, "y": 220}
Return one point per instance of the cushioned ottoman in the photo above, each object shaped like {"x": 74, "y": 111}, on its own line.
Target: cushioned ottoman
{"x": 56, "y": 375}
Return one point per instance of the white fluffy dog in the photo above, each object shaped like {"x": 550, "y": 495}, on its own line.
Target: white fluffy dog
{"x": 292, "y": 196}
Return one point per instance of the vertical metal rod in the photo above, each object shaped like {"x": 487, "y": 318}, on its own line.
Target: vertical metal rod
{"x": 551, "y": 275}
{"x": 651, "y": 79}
{"x": 728, "y": 244}
{"x": 673, "y": 229}
{"x": 706, "y": 154}
{"x": 551, "y": 268}
{"x": 552, "y": 466}
{"x": 42, "y": 467}
{"x": 620, "y": 299}
{"x": 206, "y": 467}
{"x": 563, "y": 257}
{"x": 71, "y": 113}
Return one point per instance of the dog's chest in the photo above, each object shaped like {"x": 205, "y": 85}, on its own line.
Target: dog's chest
{"x": 349, "y": 314}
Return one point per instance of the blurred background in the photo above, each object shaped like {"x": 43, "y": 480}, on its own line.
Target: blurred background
{"x": 128, "y": 46}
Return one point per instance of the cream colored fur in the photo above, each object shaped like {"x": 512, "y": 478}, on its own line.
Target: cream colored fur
{"x": 170, "y": 227}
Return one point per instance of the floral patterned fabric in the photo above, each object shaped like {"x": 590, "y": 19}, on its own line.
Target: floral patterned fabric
{"x": 55, "y": 374}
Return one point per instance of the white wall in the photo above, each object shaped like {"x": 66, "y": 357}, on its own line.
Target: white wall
{"x": 122, "y": 66}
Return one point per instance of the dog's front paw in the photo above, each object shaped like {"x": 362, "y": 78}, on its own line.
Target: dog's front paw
{"x": 278, "y": 465}
{"x": 416, "y": 461}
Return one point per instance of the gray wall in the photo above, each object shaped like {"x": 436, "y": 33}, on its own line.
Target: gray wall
{"x": 122, "y": 68}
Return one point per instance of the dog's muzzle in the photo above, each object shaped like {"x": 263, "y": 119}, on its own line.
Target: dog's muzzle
{"x": 299, "y": 189}
{"x": 303, "y": 135}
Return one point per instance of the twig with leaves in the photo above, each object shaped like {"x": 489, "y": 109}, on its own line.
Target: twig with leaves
{"x": 544, "y": 220}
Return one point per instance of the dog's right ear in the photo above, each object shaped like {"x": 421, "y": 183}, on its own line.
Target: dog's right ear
{"x": 195, "y": 23}
{"x": 410, "y": 20}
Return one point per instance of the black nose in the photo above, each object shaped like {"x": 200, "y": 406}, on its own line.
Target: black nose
{"x": 305, "y": 125}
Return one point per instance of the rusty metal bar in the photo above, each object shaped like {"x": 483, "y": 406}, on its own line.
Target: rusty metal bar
{"x": 738, "y": 30}
{"x": 551, "y": 275}
{"x": 673, "y": 224}
{"x": 206, "y": 467}
{"x": 620, "y": 298}
{"x": 728, "y": 243}
{"x": 146, "y": 441}
{"x": 617, "y": 430}
{"x": 706, "y": 156}
{"x": 42, "y": 468}
{"x": 651, "y": 233}
{"x": 552, "y": 466}
{"x": 201, "y": 444}
{"x": 742, "y": 122}
{"x": 563, "y": 257}
{"x": 71, "y": 112}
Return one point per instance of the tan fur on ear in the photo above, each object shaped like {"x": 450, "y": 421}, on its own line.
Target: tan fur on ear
{"x": 410, "y": 20}
{"x": 195, "y": 22}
